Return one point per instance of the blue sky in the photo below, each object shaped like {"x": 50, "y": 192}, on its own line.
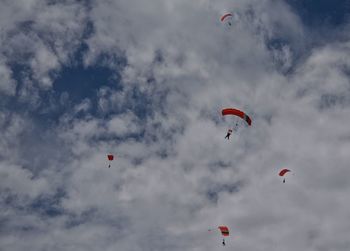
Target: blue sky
{"x": 319, "y": 13}
{"x": 83, "y": 79}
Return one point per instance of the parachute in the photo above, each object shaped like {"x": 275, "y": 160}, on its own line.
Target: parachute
{"x": 110, "y": 158}
{"x": 236, "y": 112}
{"x": 226, "y": 18}
{"x": 224, "y": 230}
{"x": 227, "y": 15}
{"x": 282, "y": 173}
{"x": 238, "y": 118}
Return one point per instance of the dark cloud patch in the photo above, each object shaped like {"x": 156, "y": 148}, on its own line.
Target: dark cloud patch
{"x": 48, "y": 206}
{"x": 329, "y": 101}
{"x": 213, "y": 192}
{"x": 75, "y": 220}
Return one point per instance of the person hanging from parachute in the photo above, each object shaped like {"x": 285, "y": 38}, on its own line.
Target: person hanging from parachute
{"x": 237, "y": 114}
{"x": 224, "y": 232}
{"x": 229, "y": 131}
{"x": 110, "y": 158}
{"x": 282, "y": 173}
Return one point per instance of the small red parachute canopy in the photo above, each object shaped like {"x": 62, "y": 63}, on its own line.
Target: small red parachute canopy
{"x": 224, "y": 230}
{"x": 225, "y": 16}
{"x": 110, "y": 158}
{"x": 236, "y": 112}
{"x": 283, "y": 172}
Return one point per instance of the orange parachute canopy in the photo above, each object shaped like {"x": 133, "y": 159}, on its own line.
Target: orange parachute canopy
{"x": 225, "y": 16}
{"x": 283, "y": 172}
{"x": 236, "y": 112}
{"x": 224, "y": 230}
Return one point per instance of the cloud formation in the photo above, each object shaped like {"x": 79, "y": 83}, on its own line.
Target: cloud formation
{"x": 173, "y": 66}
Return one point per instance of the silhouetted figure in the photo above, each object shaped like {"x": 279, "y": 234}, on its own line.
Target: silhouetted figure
{"x": 229, "y": 132}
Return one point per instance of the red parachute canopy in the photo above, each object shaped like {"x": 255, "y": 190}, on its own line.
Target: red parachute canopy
{"x": 110, "y": 157}
{"x": 223, "y": 17}
{"x": 283, "y": 172}
{"x": 224, "y": 230}
{"x": 236, "y": 112}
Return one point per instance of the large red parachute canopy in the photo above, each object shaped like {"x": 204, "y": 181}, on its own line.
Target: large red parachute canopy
{"x": 224, "y": 230}
{"x": 283, "y": 172}
{"x": 225, "y": 17}
{"x": 236, "y": 112}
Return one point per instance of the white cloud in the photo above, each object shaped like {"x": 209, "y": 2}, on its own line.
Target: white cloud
{"x": 41, "y": 36}
{"x": 21, "y": 182}
{"x": 174, "y": 175}
{"x": 7, "y": 85}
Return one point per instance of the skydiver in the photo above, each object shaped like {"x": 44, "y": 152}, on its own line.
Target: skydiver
{"x": 228, "y": 134}
{"x": 109, "y": 166}
{"x": 223, "y": 242}
{"x": 284, "y": 180}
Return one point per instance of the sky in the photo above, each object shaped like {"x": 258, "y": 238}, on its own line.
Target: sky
{"x": 146, "y": 81}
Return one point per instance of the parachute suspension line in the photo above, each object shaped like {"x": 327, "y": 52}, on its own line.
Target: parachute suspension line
{"x": 236, "y": 127}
